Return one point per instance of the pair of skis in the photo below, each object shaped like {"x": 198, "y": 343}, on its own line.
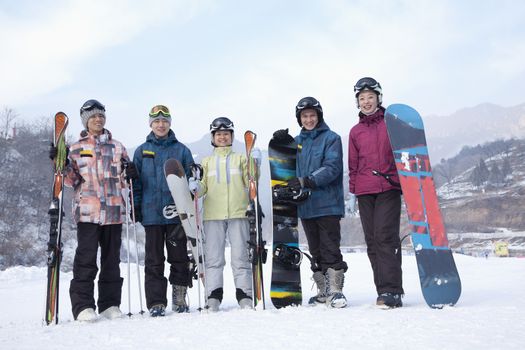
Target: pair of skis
{"x": 257, "y": 251}
{"x": 56, "y": 214}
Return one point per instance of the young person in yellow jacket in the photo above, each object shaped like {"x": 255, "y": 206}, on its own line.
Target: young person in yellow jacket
{"x": 224, "y": 186}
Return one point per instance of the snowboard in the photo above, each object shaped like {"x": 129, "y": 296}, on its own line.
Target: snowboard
{"x": 185, "y": 206}
{"x": 439, "y": 278}
{"x": 56, "y": 214}
{"x": 285, "y": 288}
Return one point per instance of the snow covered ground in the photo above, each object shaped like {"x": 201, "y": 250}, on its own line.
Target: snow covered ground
{"x": 489, "y": 315}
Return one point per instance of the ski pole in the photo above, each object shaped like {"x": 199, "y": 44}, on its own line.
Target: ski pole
{"x": 136, "y": 245}
{"x": 127, "y": 238}
{"x": 201, "y": 260}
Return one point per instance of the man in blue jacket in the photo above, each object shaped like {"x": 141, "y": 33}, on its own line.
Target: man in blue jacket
{"x": 319, "y": 168}
{"x": 151, "y": 195}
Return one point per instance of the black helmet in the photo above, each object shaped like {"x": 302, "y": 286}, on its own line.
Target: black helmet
{"x": 371, "y": 84}
{"x": 221, "y": 123}
{"x": 308, "y": 103}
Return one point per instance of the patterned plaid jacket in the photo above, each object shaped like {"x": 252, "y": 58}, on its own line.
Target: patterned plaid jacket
{"x": 95, "y": 173}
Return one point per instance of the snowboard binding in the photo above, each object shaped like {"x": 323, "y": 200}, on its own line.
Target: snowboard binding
{"x": 288, "y": 255}
{"x": 286, "y": 194}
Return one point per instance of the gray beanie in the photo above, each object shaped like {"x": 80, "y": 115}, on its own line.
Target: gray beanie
{"x": 85, "y": 115}
{"x": 160, "y": 116}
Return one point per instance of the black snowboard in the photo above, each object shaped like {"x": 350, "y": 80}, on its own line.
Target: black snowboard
{"x": 286, "y": 274}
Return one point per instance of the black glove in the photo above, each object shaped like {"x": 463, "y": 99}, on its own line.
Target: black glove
{"x": 130, "y": 170}
{"x": 53, "y": 151}
{"x": 138, "y": 214}
{"x": 308, "y": 182}
{"x": 282, "y": 136}
{"x": 295, "y": 184}
{"x": 196, "y": 170}
{"x": 301, "y": 182}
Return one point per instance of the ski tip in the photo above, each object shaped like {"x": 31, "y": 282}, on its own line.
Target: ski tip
{"x": 61, "y": 118}
{"x": 250, "y": 135}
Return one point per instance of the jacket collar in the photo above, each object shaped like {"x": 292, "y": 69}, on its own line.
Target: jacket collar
{"x": 222, "y": 151}
{"x": 372, "y": 118}
{"x": 104, "y": 137}
{"x": 322, "y": 127}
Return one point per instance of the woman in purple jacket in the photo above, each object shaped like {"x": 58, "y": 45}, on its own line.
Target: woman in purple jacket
{"x": 375, "y": 183}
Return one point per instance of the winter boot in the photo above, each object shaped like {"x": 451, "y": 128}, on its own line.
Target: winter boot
{"x": 334, "y": 288}
{"x": 179, "y": 304}
{"x": 87, "y": 315}
{"x": 215, "y": 299}
{"x": 158, "y": 310}
{"x": 320, "y": 282}
{"x": 111, "y": 313}
{"x": 213, "y": 304}
{"x": 389, "y": 300}
{"x": 244, "y": 300}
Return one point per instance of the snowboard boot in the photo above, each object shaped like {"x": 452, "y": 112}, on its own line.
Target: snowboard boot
{"x": 320, "y": 282}
{"x": 213, "y": 304}
{"x": 389, "y": 300}
{"x": 245, "y": 301}
{"x": 158, "y": 310}
{"x": 111, "y": 313}
{"x": 215, "y": 299}
{"x": 179, "y": 304}
{"x": 87, "y": 315}
{"x": 334, "y": 288}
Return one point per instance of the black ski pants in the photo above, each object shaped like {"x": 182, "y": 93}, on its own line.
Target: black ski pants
{"x": 81, "y": 290}
{"x": 324, "y": 242}
{"x": 155, "y": 284}
{"x": 380, "y": 216}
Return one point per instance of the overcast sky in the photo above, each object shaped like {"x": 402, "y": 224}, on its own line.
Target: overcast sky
{"x": 252, "y": 61}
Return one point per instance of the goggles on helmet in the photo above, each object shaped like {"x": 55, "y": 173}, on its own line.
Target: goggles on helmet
{"x": 89, "y": 105}
{"x": 367, "y": 83}
{"x": 160, "y": 109}
{"x": 307, "y": 103}
{"x": 221, "y": 124}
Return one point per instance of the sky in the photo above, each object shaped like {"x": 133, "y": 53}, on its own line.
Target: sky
{"x": 252, "y": 61}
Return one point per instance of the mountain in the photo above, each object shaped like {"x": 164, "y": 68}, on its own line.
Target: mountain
{"x": 483, "y": 192}
{"x": 446, "y": 135}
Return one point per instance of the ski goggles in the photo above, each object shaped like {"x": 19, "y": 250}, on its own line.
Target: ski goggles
{"x": 307, "y": 103}
{"x": 160, "y": 109}
{"x": 221, "y": 124}
{"x": 366, "y": 83}
{"x": 90, "y": 105}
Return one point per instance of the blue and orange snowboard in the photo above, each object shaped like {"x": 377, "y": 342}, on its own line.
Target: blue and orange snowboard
{"x": 438, "y": 274}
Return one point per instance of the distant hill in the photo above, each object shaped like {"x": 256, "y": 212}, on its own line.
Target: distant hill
{"x": 483, "y": 189}
{"x": 447, "y": 135}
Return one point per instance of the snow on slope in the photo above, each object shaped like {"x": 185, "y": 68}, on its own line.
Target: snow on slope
{"x": 489, "y": 315}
